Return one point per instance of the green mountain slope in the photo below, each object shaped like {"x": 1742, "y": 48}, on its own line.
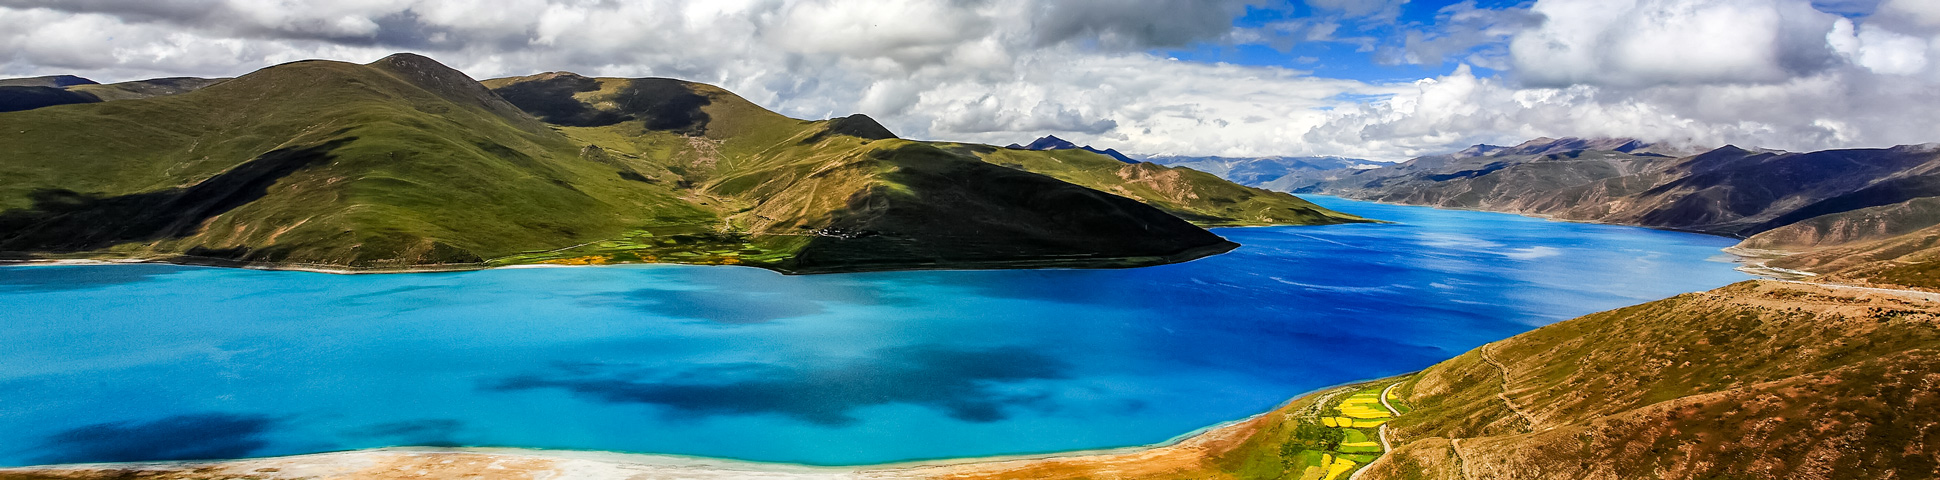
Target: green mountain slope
{"x": 1201, "y": 197}
{"x": 398, "y": 163}
{"x": 407, "y": 164}
{"x": 847, "y": 194}
{"x": 156, "y": 87}
{"x": 18, "y": 94}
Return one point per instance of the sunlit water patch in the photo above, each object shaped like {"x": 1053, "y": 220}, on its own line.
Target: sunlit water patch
{"x": 149, "y": 362}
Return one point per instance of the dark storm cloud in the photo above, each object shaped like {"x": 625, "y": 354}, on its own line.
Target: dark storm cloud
{"x": 1136, "y": 24}
{"x": 183, "y": 437}
{"x": 396, "y": 27}
{"x": 179, "y": 11}
{"x": 970, "y": 385}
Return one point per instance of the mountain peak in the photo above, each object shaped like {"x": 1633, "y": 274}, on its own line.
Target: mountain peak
{"x": 1479, "y": 149}
{"x": 1548, "y": 145}
{"x": 860, "y": 126}
{"x": 446, "y": 82}
{"x": 1050, "y": 142}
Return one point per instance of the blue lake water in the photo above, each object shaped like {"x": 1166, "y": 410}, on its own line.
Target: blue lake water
{"x": 143, "y": 362}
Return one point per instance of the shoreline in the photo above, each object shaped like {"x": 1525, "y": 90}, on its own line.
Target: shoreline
{"x": 306, "y": 465}
{"x": 1547, "y": 217}
{"x": 1087, "y": 263}
{"x": 1187, "y": 443}
{"x": 1750, "y": 261}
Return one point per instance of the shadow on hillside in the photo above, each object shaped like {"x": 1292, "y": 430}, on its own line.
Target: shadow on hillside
{"x": 67, "y": 221}
{"x": 954, "y": 210}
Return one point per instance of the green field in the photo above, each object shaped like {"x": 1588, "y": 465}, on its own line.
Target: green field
{"x": 1332, "y": 437}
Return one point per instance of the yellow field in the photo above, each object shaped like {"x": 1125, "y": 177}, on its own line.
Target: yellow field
{"x": 1338, "y": 467}
{"x": 1364, "y": 405}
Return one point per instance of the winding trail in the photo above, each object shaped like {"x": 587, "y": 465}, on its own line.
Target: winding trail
{"x": 1392, "y": 412}
{"x": 1385, "y": 446}
{"x": 1489, "y": 357}
{"x": 1912, "y": 294}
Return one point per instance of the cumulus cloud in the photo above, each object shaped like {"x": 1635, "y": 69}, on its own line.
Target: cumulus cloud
{"x": 1878, "y": 49}
{"x": 1643, "y": 42}
{"x": 1774, "y": 73}
{"x": 1840, "y": 108}
{"x": 1768, "y": 73}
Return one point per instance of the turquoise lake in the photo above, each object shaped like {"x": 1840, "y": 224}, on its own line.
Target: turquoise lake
{"x": 154, "y": 362}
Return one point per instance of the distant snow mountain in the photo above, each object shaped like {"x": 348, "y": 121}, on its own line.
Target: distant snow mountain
{"x": 1052, "y": 142}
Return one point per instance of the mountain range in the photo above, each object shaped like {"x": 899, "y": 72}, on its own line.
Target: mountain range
{"x": 18, "y": 94}
{"x": 405, "y": 164}
{"x": 1273, "y": 173}
{"x": 1052, "y": 142}
{"x": 1851, "y": 215}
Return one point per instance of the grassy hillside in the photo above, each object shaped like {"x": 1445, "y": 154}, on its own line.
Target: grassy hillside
{"x": 138, "y": 89}
{"x": 1852, "y": 227}
{"x": 1908, "y": 260}
{"x": 750, "y": 140}
{"x": 407, "y": 164}
{"x": 18, "y": 94}
{"x": 1201, "y": 197}
{"x": 846, "y": 194}
{"x": 401, "y": 162}
{"x": 1755, "y": 380}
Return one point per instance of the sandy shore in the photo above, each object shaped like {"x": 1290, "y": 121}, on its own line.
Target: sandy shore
{"x": 508, "y": 463}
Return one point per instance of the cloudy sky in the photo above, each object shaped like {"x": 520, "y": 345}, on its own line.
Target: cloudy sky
{"x": 1381, "y": 79}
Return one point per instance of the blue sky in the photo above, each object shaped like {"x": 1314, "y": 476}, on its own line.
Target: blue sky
{"x": 1365, "y": 48}
{"x": 1349, "y": 54}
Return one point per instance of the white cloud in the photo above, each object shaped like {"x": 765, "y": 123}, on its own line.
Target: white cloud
{"x": 1880, "y": 50}
{"x": 1645, "y": 42}
{"x": 1772, "y": 73}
